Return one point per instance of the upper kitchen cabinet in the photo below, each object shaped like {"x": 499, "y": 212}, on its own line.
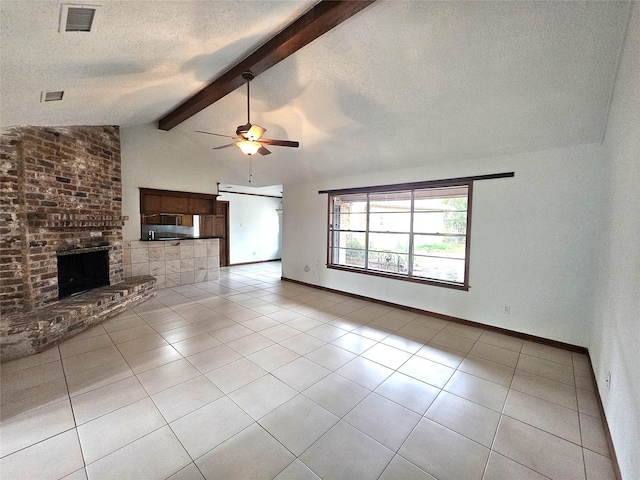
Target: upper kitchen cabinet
{"x": 167, "y": 201}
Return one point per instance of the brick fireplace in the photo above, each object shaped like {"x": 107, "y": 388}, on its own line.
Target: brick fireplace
{"x": 61, "y": 194}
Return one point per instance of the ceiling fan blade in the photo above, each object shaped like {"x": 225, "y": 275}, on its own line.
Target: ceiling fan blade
{"x": 224, "y": 146}
{"x": 263, "y": 151}
{"x": 280, "y": 143}
{"x": 216, "y": 134}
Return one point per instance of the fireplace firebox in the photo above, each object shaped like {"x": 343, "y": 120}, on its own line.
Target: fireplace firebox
{"x": 79, "y": 272}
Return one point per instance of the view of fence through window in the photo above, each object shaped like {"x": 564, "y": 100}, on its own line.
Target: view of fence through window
{"x": 415, "y": 233}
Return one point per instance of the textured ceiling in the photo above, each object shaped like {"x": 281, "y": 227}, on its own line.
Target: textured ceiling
{"x": 398, "y": 85}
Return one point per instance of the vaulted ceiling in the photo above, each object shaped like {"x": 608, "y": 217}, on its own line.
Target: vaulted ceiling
{"x": 400, "y": 84}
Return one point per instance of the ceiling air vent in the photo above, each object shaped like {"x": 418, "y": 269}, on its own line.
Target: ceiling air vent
{"x": 78, "y": 18}
{"x": 51, "y": 96}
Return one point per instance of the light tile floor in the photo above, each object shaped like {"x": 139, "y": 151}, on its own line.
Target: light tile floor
{"x": 252, "y": 377}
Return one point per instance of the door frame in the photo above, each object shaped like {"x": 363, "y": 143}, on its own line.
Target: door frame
{"x": 225, "y": 243}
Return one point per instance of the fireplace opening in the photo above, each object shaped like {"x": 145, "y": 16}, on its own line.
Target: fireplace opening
{"x": 80, "y": 272}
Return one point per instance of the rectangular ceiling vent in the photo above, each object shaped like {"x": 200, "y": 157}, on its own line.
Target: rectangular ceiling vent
{"x": 51, "y": 96}
{"x": 78, "y": 18}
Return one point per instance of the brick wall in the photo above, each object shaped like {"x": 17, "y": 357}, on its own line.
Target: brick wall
{"x": 61, "y": 190}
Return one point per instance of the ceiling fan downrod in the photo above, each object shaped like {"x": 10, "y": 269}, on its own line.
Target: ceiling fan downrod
{"x": 248, "y": 76}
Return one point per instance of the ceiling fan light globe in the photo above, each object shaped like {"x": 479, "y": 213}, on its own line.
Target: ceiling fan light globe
{"x": 248, "y": 148}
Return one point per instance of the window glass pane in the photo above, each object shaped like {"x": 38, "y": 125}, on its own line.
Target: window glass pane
{"x": 440, "y": 222}
{"x": 390, "y": 202}
{"x": 348, "y": 257}
{"x": 390, "y": 222}
{"x": 388, "y": 262}
{"x": 445, "y": 269}
{"x": 391, "y": 242}
{"x": 349, "y": 221}
{"x": 439, "y": 246}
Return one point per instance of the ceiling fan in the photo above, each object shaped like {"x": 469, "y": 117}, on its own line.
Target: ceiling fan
{"x": 249, "y": 137}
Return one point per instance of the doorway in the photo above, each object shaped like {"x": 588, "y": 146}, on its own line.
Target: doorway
{"x": 218, "y": 225}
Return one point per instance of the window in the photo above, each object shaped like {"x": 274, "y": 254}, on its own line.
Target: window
{"x": 411, "y": 232}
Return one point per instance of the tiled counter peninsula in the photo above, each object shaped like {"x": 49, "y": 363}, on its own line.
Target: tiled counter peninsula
{"x": 173, "y": 262}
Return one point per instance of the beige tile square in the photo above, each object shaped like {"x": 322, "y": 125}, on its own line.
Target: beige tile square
{"x": 186, "y": 265}
{"x": 181, "y": 333}
{"x": 383, "y": 420}
{"x": 297, "y": 471}
{"x": 172, "y": 266}
{"x": 540, "y": 451}
{"x": 157, "y": 455}
{"x": 439, "y": 354}
{"x": 545, "y": 388}
{"x": 503, "y": 341}
{"x": 190, "y": 472}
{"x": 199, "y": 251}
{"x": 454, "y": 342}
{"x": 209, "y": 426}
{"x": 427, "y": 371}
{"x": 330, "y": 356}
{"x": 547, "y": 352}
{"x": 303, "y": 344}
{"x": 365, "y": 372}
{"x": 139, "y": 255}
{"x": 593, "y": 436}
{"x": 166, "y": 376}
{"x": 500, "y": 355}
{"x": 52, "y": 458}
{"x": 171, "y": 252}
{"x": 91, "y": 359}
{"x": 156, "y": 253}
{"x": 500, "y": 467}
{"x": 97, "y": 377}
{"x": 232, "y": 332}
{"x": 70, "y": 348}
{"x": 140, "y": 345}
{"x": 272, "y": 357}
{"x": 186, "y": 397}
{"x": 337, "y": 394}
{"x": 403, "y": 342}
{"x": 408, "y": 392}
{"x": 187, "y": 278}
{"x": 172, "y": 280}
{"x": 34, "y": 426}
{"x": 213, "y": 358}
{"x": 345, "y": 452}
{"x": 301, "y": 373}
{"x": 103, "y": 400}
{"x": 298, "y": 423}
{"x": 236, "y": 374}
{"x": 478, "y": 390}
{"x": 28, "y": 399}
{"x": 186, "y": 250}
{"x": 466, "y": 331}
{"x": 494, "y": 372}
{"x": 157, "y": 268}
{"x": 262, "y": 396}
{"x": 138, "y": 269}
{"x": 429, "y": 447}
{"x": 110, "y": 432}
{"x": 546, "y": 368}
{"x": 122, "y": 336}
{"x": 465, "y": 417}
{"x": 252, "y": 453}
{"x": 597, "y": 466}
{"x": 388, "y": 356}
{"x": 399, "y": 468}
{"x": 194, "y": 345}
{"x": 547, "y": 416}
{"x": 249, "y": 344}
{"x": 417, "y": 331}
{"x": 148, "y": 360}
{"x": 127, "y": 271}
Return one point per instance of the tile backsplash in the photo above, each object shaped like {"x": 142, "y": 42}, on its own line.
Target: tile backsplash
{"x": 173, "y": 262}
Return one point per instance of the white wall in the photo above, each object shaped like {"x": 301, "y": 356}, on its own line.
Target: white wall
{"x": 153, "y": 158}
{"x": 532, "y": 242}
{"x": 615, "y": 341}
{"x": 254, "y": 227}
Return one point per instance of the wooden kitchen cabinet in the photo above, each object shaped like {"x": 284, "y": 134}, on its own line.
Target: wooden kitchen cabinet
{"x": 168, "y": 201}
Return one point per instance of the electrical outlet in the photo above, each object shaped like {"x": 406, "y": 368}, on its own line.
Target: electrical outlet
{"x": 506, "y": 309}
{"x": 608, "y": 381}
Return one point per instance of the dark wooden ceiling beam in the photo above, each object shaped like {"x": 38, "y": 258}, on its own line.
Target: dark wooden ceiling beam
{"x": 321, "y": 18}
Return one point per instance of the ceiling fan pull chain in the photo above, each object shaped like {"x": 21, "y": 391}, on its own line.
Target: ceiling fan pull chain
{"x": 250, "y": 168}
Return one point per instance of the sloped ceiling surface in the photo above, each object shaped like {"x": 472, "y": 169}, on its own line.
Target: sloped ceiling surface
{"x": 398, "y": 85}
